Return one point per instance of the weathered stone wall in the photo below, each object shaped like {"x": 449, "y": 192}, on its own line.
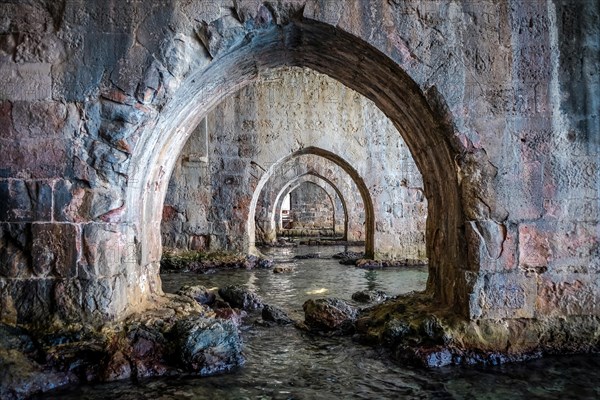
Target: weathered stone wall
{"x": 285, "y": 111}
{"x": 339, "y": 208}
{"x": 497, "y": 100}
{"x": 311, "y": 208}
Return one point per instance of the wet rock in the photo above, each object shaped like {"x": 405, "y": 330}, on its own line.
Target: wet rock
{"x": 208, "y": 346}
{"x": 240, "y": 297}
{"x": 274, "y": 314}
{"x": 84, "y": 361}
{"x": 369, "y": 296}
{"x": 329, "y": 314}
{"x": 378, "y": 264}
{"x": 234, "y": 315}
{"x": 22, "y": 377}
{"x": 307, "y": 256}
{"x": 199, "y": 293}
{"x": 258, "y": 262}
{"x": 348, "y": 257}
{"x": 280, "y": 269}
{"x": 146, "y": 349}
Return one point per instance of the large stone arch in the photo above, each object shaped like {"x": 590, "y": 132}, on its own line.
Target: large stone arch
{"x": 356, "y": 64}
{"x": 324, "y": 183}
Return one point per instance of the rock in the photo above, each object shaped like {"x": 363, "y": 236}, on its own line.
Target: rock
{"x": 369, "y": 264}
{"x": 208, "y": 346}
{"x": 329, "y": 314}
{"x": 240, "y": 297}
{"x": 234, "y": 315}
{"x": 348, "y": 257}
{"x": 146, "y": 349}
{"x": 274, "y": 314}
{"x": 307, "y": 256}
{"x": 199, "y": 293}
{"x": 280, "y": 269}
{"x": 258, "y": 262}
{"x": 369, "y": 296}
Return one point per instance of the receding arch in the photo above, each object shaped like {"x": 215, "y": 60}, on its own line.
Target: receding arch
{"x": 290, "y": 186}
{"x": 339, "y": 161}
{"x": 355, "y": 63}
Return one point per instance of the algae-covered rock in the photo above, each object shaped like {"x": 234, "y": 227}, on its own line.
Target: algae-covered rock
{"x": 329, "y": 314}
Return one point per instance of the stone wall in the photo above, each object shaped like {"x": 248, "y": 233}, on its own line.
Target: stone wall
{"x": 311, "y": 209}
{"x": 497, "y": 100}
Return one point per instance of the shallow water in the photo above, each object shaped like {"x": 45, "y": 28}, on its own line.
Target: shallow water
{"x": 285, "y": 363}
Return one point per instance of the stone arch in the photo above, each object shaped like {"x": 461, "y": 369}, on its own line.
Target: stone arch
{"x": 346, "y": 167}
{"x": 292, "y": 185}
{"x": 358, "y": 65}
{"x": 329, "y": 195}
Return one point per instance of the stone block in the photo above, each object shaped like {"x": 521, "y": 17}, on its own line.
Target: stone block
{"x": 104, "y": 298}
{"x": 39, "y": 118}
{"x": 72, "y": 202}
{"x": 25, "y": 201}
{"x": 6, "y": 124}
{"x": 55, "y": 249}
{"x": 492, "y": 246}
{"x": 535, "y": 252}
{"x": 108, "y": 249}
{"x": 28, "y": 82}
{"x": 67, "y": 298}
{"x": 504, "y": 295}
{"x": 568, "y": 294}
{"x": 32, "y": 300}
{"x": 15, "y": 254}
{"x": 35, "y": 158}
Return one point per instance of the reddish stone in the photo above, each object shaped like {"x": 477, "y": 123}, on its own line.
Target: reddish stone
{"x": 200, "y": 242}
{"x": 6, "y": 124}
{"x": 534, "y": 247}
{"x": 169, "y": 213}
{"x": 55, "y": 249}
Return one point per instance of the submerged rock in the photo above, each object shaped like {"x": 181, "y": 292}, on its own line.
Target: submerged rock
{"x": 307, "y": 256}
{"x": 258, "y": 262}
{"x": 239, "y": 296}
{"x": 199, "y": 293}
{"x": 280, "y": 269}
{"x": 348, "y": 257}
{"x": 369, "y": 296}
{"x": 208, "y": 346}
{"x": 277, "y": 315}
{"x": 329, "y": 314}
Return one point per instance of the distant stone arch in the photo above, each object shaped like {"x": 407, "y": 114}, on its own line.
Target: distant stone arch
{"x": 318, "y": 180}
{"x": 348, "y": 169}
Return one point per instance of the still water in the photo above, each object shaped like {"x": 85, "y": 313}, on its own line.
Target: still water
{"x": 285, "y": 363}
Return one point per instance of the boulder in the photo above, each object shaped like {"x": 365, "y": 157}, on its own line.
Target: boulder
{"x": 329, "y": 314}
{"x": 348, "y": 257}
{"x": 208, "y": 346}
{"x": 280, "y": 269}
{"x": 369, "y": 296}
{"x": 239, "y": 296}
{"x": 274, "y": 314}
{"x": 199, "y": 293}
{"x": 307, "y": 256}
